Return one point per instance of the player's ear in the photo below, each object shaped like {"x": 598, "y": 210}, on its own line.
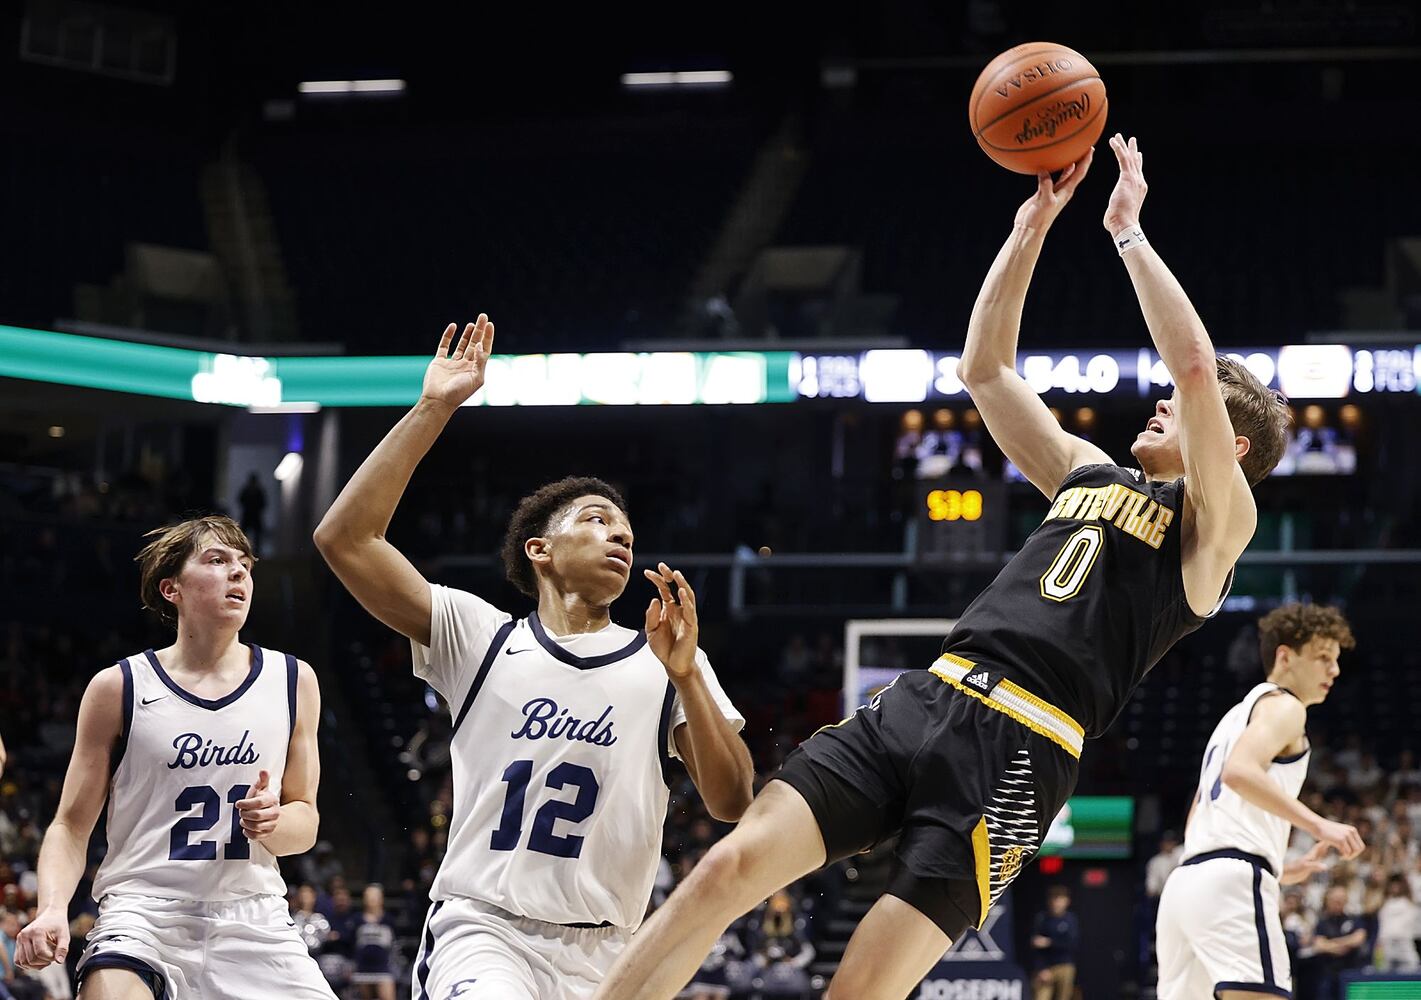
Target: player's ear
{"x": 1241, "y": 447}
{"x": 168, "y": 588}
{"x": 538, "y": 550}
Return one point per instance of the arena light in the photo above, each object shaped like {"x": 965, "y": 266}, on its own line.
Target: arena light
{"x": 289, "y": 467}
{"x": 684, "y": 78}
{"x": 346, "y": 87}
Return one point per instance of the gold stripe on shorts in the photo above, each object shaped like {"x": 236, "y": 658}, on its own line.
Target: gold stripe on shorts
{"x": 1015, "y": 701}
{"x": 982, "y": 858}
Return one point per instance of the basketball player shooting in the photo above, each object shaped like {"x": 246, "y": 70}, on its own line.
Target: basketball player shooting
{"x": 968, "y": 762}
{"x": 190, "y": 746}
{"x": 563, "y": 721}
{"x": 1218, "y": 929}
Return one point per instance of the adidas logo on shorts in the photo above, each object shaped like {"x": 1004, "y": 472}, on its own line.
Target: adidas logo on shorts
{"x": 978, "y": 680}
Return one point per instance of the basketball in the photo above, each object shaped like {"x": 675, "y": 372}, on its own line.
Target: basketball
{"x": 1037, "y": 107}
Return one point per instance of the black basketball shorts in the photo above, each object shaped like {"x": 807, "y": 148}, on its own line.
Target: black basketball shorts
{"x": 965, "y": 768}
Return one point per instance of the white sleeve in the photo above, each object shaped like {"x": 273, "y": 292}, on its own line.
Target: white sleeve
{"x": 461, "y": 626}
{"x": 678, "y": 710}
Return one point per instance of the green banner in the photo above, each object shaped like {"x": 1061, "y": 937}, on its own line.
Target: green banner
{"x": 650, "y": 378}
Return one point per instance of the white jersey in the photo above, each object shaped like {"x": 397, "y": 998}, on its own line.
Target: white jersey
{"x": 183, "y": 761}
{"x": 1223, "y": 820}
{"x": 559, "y": 752}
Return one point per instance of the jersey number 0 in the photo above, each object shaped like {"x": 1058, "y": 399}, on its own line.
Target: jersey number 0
{"x": 1066, "y": 575}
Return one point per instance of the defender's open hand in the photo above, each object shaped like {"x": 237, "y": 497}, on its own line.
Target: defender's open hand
{"x": 453, "y": 376}
{"x": 672, "y": 628}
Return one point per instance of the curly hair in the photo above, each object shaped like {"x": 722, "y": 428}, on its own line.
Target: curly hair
{"x": 1294, "y": 625}
{"x": 533, "y": 516}
{"x": 171, "y": 546}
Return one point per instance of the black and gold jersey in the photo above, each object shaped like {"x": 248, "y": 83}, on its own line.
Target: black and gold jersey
{"x": 1093, "y": 599}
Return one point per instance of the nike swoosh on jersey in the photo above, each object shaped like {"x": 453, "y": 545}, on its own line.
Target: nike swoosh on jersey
{"x": 515, "y": 652}
{"x": 149, "y": 701}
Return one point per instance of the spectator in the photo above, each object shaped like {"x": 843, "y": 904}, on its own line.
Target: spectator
{"x": 1171, "y": 852}
{"x": 1297, "y": 927}
{"x": 1340, "y": 943}
{"x": 783, "y": 954}
{"x": 1055, "y": 936}
{"x": 374, "y": 948}
{"x": 344, "y": 919}
{"x": 253, "y": 503}
{"x": 1397, "y": 928}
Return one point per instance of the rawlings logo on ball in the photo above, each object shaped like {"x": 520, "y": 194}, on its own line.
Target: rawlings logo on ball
{"x": 1052, "y": 117}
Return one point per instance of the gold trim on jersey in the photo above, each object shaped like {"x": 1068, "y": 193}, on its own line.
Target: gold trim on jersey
{"x": 1015, "y": 701}
{"x": 982, "y": 857}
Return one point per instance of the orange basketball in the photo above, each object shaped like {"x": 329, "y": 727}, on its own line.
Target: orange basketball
{"x": 1036, "y": 107}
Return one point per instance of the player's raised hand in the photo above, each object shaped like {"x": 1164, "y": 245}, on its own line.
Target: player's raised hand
{"x": 1129, "y": 194}
{"x": 1341, "y": 837}
{"x": 1305, "y": 867}
{"x": 672, "y": 629}
{"x": 456, "y": 374}
{"x": 1041, "y": 209}
{"x": 44, "y": 939}
{"x": 260, "y": 810}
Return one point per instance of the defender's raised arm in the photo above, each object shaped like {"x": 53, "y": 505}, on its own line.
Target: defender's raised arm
{"x": 351, "y": 537}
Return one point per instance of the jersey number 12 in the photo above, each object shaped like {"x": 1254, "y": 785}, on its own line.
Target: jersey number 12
{"x": 543, "y": 839}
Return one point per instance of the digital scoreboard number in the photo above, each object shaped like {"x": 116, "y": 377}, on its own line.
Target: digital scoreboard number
{"x": 960, "y": 519}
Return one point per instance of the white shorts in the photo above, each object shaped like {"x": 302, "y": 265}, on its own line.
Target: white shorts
{"x": 1219, "y": 929}
{"x": 471, "y": 950}
{"x": 246, "y": 949}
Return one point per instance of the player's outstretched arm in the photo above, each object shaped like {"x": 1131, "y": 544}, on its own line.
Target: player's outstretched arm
{"x": 714, "y": 754}
{"x": 288, "y": 824}
{"x": 351, "y": 537}
{"x": 1019, "y": 422}
{"x": 62, "y": 855}
{"x": 1278, "y": 721}
{"x": 1220, "y": 500}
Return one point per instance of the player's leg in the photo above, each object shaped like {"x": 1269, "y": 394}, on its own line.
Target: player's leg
{"x": 471, "y": 951}
{"x": 893, "y": 948}
{"x": 253, "y": 952}
{"x": 776, "y": 842}
{"x": 114, "y": 984}
{"x": 1181, "y": 976}
{"x": 140, "y": 948}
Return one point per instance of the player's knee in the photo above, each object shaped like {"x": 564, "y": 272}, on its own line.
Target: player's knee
{"x": 724, "y": 864}
{"x": 729, "y": 871}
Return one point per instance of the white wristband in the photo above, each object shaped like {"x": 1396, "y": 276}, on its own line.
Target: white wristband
{"x": 1129, "y": 238}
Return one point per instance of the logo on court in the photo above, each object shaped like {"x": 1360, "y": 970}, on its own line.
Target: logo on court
{"x": 979, "y": 680}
